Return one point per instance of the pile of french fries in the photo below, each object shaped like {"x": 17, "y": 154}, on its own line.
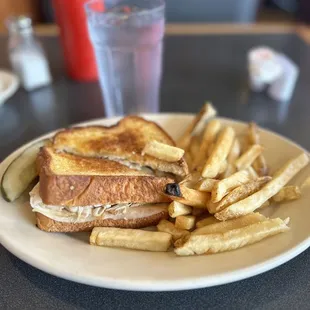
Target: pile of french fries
{"x": 215, "y": 207}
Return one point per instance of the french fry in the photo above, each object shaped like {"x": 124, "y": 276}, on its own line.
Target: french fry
{"x": 206, "y": 185}
{"x": 199, "y": 203}
{"x": 259, "y": 164}
{"x": 287, "y": 193}
{"x": 194, "y": 147}
{"x": 177, "y": 208}
{"x": 253, "y": 134}
{"x": 198, "y": 199}
{"x": 210, "y": 149}
{"x": 244, "y": 143}
{"x": 252, "y": 173}
{"x": 305, "y": 184}
{"x": 191, "y": 179}
{"x": 219, "y": 154}
{"x": 234, "y": 152}
{"x": 185, "y": 222}
{"x": 163, "y": 151}
{"x": 222, "y": 227}
{"x": 222, "y": 187}
{"x": 239, "y": 193}
{"x": 131, "y": 239}
{"x": 248, "y": 157}
{"x": 230, "y": 240}
{"x": 210, "y": 114}
{"x": 207, "y": 111}
{"x": 198, "y": 211}
{"x": 254, "y": 201}
{"x": 199, "y": 132}
{"x": 223, "y": 167}
{"x": 184, "y": 142}
{"x": 265, "y": 204}
{"x": 207, "y": 221}
{"x": 212, "y": 206}
{"x": 231, "y": 169}
{"x": 189, "y": 161}
{"x": 187, "y": 196}
{"x": 209, "y": 136}
{"x": 168, "y": 227}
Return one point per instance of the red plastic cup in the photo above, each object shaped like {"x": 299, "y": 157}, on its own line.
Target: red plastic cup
{"x": 78, "y": 51}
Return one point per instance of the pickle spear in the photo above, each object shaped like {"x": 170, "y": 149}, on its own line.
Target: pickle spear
{"x": 21, "y": 172}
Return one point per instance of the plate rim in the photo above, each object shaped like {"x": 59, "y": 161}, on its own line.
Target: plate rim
{"x": 159, "y": 285}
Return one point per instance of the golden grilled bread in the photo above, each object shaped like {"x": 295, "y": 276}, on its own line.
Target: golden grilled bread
{"x": 97, "y": 176}
{"x": 47, "y": 224}
{"x": 122, "y": 142}
{"x": 72, "y": 180}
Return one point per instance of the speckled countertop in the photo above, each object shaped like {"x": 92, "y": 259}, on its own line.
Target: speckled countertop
{"x": 196, "y": 68}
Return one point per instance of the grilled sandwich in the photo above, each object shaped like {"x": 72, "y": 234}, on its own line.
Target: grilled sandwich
{"x": 97, "y": 176}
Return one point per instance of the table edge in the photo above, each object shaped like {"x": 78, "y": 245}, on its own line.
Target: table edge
{"x": 176, "y": 29}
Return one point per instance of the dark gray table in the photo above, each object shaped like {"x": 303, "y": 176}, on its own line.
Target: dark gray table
{"x": 196, "y": 68}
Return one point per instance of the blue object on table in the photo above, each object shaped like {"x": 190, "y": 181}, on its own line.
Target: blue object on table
{"x": 238, "y": 11}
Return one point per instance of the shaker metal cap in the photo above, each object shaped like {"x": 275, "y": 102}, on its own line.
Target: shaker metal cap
{"x": 21, "y": 24}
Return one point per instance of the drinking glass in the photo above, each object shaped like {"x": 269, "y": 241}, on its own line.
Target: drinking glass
{"x": 127, "y": 39}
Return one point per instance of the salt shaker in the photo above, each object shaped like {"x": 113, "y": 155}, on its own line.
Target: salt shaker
{"x": 26, "y": 54}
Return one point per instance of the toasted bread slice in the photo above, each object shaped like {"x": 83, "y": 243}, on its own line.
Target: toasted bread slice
{"x": 65, "y": 164}
{"x": 47, "y": 224}
{"x": 122, "y": 142}
{"x": 72, "y": 180}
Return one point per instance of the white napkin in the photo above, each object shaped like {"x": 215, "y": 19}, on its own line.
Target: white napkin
{"x": 283, "y": 87}
{"x": 263, "y": 67}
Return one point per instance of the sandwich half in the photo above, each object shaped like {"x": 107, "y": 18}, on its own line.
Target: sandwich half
{"x": 122, "y": 142}
{"x": 84, "y": 187}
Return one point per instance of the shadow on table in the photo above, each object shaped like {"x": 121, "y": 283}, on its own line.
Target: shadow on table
{"x": 271, "y": 290}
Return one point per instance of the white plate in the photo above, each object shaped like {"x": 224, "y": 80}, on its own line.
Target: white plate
{"x": 69, "y": 256}
{"x": 9, "y": 83}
